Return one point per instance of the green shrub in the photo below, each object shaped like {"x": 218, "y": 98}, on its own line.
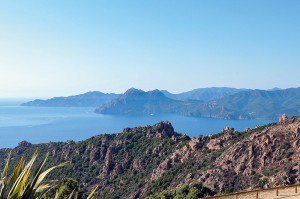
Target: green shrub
{"x": 269, "y": 172}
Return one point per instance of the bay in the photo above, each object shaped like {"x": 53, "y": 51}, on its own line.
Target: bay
{"x": 52, "y": 124}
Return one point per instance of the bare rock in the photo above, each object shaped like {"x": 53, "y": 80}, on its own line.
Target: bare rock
{"x": 283, "y": 117}
{"x": 195, "y": 144}
{"x": 214, "y": 144}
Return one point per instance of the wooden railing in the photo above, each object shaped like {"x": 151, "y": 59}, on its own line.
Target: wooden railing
{"x": 236, "y": 195}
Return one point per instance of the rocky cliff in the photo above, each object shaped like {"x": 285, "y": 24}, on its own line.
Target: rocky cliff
{"x": 142, "y": 161}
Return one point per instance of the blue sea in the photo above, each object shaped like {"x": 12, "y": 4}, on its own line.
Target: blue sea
{"x": 52, "y": 124}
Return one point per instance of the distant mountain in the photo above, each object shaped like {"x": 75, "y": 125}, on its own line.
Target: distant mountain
{"x": 254, "y": 104}
{"x": 225, "y": 103}
{"x": 204, "y": 94}
{"x": 241, "y": 105}
{"x": 136, "y": 102}
{"x": 275, "y": 89}
{"x": 90, "y": 99}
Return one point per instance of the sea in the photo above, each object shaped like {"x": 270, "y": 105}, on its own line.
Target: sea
{"x": 56, "y": 124}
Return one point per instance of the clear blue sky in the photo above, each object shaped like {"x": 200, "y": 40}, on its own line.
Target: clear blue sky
{"x": 54, "y": 48}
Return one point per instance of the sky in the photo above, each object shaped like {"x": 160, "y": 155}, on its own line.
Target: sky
{"x": 60, "y": 48}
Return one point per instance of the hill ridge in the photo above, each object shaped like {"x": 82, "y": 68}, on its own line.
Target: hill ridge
{"x": 88, "y": 99}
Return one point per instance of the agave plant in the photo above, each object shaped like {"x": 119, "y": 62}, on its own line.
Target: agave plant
{"x": 22, "y": 183}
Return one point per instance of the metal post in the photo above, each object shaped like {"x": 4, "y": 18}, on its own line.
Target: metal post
{"x": 236, "y": 196}
{"x": 277, "y": 192}
{"x": 257, "y": 195}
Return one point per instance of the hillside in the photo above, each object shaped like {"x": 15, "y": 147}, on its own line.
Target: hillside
{"x": 144, "y": 161}
{"x": 257, "y": 103}
{"x": 90, "y": 99}
{"x": 241, "y": 105}
{"x": 203, "y": 94}
{"x": 138, "y": 102}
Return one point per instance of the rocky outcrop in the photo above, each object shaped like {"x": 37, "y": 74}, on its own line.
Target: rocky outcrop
{"x": 196, "y": 143}
{"x": 247, "y": 130}
{"x": 107, "y": 162}
{"x": 215, "y": 144}
{"x": 23, "y": 146}
{"x": 269, "y": 156}
{"x": 227, "y": 129}
{"x": 283, "y": 118}
{"x": 221, "y": 142}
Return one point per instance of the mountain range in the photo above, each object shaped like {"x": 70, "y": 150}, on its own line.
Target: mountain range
{"x": 138, "y": 102}
{"x": 96, "y": 98}
{"x": 89, "y": 99}
{"x": 203, "y": 94}
{"x": 156, "y": 162}
{"x": 225, "y": 103}
{"x": 260, "y": 103}
{"x": 244, "y": 104}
